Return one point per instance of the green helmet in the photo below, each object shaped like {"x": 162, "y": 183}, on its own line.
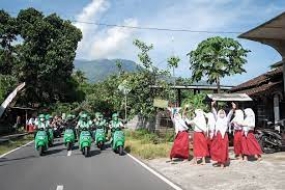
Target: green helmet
{"x": 115, "y": 115}
{"x": 84, "y": 115}
{"x": 41, "y": 116}
{"x": 47, "y": 116}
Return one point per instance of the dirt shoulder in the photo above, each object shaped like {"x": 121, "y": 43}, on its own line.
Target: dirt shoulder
{"x": 265, "y": 175}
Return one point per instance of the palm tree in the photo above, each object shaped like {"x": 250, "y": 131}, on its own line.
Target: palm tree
{"x": 216, "y": 58}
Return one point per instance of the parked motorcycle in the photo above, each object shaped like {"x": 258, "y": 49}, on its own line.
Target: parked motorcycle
{"x": 272, "y": 137}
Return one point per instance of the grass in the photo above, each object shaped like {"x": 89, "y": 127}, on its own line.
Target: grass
{"x": 147, "y": 145}
{"x": 12, "y": 144}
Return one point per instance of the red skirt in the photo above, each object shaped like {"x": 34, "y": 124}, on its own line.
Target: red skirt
{"x": 250, "y": 146}
{"x": 200, "y": 145}
{"x": 220, "y": 148}
{"x": 180, "y": 148}
{"x": 237, "y": 142}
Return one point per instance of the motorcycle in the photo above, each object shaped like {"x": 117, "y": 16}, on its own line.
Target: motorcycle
{"x": 118, "y": 141}
{"x": 272, "y": 137}
{"x": 41, "y": 141}
{"x": 100, "y": 138}
{"x": 57, "y": 131}
{"x": 69, "y": 138}
{"x": 50, "y": 137}
{"x": 85, "y": 142}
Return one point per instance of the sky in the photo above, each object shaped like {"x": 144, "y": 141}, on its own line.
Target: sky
{"x": 100, "y": 42}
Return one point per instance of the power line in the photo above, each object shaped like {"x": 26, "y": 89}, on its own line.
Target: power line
{"x": 158, "y": 29}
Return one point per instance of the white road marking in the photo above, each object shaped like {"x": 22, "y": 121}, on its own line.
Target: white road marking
{"x": 11, "y": 151}
{"x": 155, "y": 173}
{"x": 59, "y": 187}
{"x": 69, "y": 153}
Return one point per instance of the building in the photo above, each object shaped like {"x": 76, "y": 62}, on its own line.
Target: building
{"x": 268, "y": 89}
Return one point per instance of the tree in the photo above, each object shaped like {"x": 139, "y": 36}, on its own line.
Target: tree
{"x": 173, "y": 63}
{"x": 8, "y": 34}
{"x": 47, "y": 54}
{"x": 216, "y": 58}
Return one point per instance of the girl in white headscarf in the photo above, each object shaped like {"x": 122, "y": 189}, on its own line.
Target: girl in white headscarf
{"x": 200, "y": 142}
{"x": 220, "y": 144}
{"x": 250, "y": 146}
{"x": 180, "y": 148}
{"x": 237, "y": 123}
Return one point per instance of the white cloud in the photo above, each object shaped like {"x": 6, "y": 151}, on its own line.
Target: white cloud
{"x": 113, "y": 41}
{"x": 101, "y": 43}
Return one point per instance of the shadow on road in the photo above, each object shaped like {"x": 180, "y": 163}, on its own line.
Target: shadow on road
{"x": 58, "y": 144}
{"x": 53, "y": 151}
{"x": 94, "y": 152}
{"x": 17, "y": 159}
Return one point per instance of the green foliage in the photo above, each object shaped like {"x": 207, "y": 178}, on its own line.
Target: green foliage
{"x": 216, "y": 58}
{"x": 8, "y": 33}
{"x": 44, "y": 58}
{"x": 173, "y": 62}
{"x": 196, "y": 102}
{"x": 7, "y": 84}
{"x": 143, "y": 55}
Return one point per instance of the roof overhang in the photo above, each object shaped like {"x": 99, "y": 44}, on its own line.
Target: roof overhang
{"x": 271, "y": 33}
{"x": 229, "y": 97}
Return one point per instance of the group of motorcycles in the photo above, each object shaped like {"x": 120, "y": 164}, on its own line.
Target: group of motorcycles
{"x": 44, "y": 138}
{"x": 271, "y": 136}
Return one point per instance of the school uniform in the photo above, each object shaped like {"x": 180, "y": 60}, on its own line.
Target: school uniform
{"x": 220, "y": 143}
{"x": 237, "y": 124}
{"x": 250, "y": 146}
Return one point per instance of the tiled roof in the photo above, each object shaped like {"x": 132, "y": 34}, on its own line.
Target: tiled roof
{"x": 262, "y": 88}
{"x": 258, "y": 81}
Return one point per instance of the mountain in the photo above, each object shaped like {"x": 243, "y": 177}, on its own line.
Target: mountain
{"x": 100, "y": 69}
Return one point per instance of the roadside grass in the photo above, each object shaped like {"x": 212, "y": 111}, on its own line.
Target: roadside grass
{"x": 147, "y": 145}
{"x": 12, "y": 144}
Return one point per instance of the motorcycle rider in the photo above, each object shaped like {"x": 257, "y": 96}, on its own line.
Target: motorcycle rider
{"x": 41, "y": 124}
{"x": 84, "y": 122}
{"x": 115, "y": 124}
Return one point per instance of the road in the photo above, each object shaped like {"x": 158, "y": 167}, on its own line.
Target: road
{"x": 63, "y": 170}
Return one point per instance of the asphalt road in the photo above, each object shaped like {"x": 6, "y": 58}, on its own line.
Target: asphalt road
{"x": 60, "y": 170}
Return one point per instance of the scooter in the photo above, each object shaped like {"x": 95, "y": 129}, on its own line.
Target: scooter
{"x": 69, "y": 138}
{"x": 118, "y": 141}
{"x": 41, "y": 141}
{"x": 85, "y": 142}
{"x": 51, "y": 137}
{"x": 100, "y": 138}
{"x": 272, "y": 137}
{"x": 57, "y": 131}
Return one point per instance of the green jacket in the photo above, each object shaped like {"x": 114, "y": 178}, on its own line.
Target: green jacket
{"x": 81, "y": 124}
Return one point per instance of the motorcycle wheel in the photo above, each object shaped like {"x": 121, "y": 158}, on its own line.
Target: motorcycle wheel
{"x": 100, "y": 145}
{"x": 120, "y": 150}
{"x": 41, "y": 150}
{"x": 264, "y": 147}
{"x": 86, "y": 151}
{"x": 69, "y": 146}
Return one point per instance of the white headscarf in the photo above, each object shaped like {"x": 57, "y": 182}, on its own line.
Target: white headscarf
{"x": 249, "y": 121}
{"x": 200, "y": 121}
{"x": 222, "y": 123}
{"x": 179, "y": 123}
{"x": 211, "y": 123}
{"x": 239, "y": 117}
